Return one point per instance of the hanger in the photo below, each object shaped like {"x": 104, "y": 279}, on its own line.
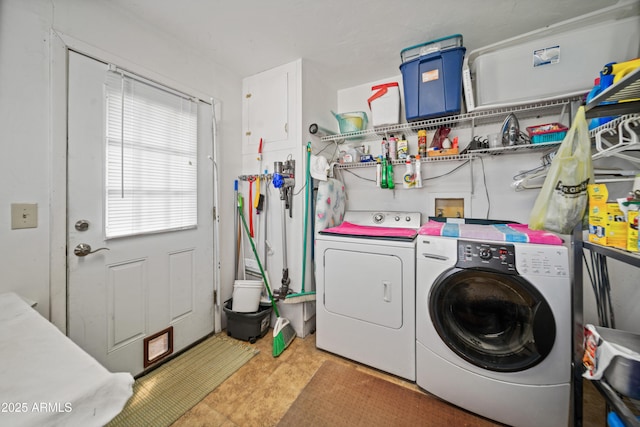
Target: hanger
{"x": 628, "y": 140}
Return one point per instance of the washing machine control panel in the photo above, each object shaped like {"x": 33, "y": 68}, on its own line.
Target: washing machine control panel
{"x": 487, "y": 256}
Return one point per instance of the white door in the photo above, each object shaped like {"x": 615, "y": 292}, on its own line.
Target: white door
{"x": 138, "y": 285}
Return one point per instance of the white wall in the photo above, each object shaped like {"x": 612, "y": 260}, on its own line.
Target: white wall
{"x": 489, "y": 183}
{"x": 28, "y": 165}
{"x": 24, "y": 126}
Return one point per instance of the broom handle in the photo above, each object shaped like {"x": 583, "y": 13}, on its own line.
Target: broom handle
{"x": 255, "y": 253}
{"x": 306, "y": 216}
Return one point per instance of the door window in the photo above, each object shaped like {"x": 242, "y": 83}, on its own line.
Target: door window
{"x": 495, "y": 321}
{"x": 151, "y": 158}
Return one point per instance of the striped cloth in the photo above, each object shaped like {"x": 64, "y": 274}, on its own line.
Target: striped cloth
{"x": 517, "y": 233}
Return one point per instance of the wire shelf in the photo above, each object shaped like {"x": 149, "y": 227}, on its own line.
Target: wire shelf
{"x": 463, "y": 120}
{"x": 514, "y": 148}
{"x": 457, "y": 158}
{"x": 609, "y": 101}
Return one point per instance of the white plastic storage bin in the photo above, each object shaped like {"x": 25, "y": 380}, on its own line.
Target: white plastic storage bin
{"x": 246, "y": 296}
{"x": 553, "y": 62}
{"x": 385, "y": 104}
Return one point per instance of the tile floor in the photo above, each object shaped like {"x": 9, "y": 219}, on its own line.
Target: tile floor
{"x": 260, "y": 393}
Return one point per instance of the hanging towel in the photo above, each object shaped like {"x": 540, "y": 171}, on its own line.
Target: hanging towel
{"x": 318, "y": 167}
{"x": 330, "y": 204}
{"x": 349, "y": 229}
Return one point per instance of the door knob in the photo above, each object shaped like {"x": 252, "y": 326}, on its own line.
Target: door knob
{"x": 83, "y": 249}
{"x": 82, "y": 225}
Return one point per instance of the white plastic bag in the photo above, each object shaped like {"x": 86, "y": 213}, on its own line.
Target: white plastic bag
{"x": 563, "y": 199}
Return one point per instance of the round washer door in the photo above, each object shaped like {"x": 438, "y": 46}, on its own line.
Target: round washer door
{"x": 495, "y": 321}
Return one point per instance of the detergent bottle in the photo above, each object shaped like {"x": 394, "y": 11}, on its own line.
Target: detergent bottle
{"x": 409, "y": 178}
{"x": 418, "y": 174}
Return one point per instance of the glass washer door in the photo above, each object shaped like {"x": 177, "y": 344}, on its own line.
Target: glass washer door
{"x": 495, "y": 321}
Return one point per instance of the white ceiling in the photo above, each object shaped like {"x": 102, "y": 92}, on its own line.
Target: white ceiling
{"x": 350, "y": 42}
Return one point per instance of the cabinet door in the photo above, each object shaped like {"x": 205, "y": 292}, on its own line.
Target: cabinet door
{"x": 267, "y": 108}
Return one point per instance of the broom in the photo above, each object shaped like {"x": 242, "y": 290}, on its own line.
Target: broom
{"x": 283, "y": 332}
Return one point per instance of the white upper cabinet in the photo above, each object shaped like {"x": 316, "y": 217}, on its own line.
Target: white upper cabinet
{"x": 269, "y": 101}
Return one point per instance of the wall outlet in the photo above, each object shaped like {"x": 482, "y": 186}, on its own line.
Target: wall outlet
{"x": 24, "y": 215}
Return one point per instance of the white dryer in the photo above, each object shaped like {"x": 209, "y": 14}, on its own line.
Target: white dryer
{"x": 365, "y": 286}
{"x": 493, "y": 328}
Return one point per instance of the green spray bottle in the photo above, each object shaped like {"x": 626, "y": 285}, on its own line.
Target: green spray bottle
{"x": 383, "y": 174}
{"x": 389, "y": 168}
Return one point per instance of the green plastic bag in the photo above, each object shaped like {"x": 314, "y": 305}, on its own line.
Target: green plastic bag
{"x": 563, "y": 199}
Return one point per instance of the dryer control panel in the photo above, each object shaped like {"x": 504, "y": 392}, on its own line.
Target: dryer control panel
{"x": 487, "y": 256}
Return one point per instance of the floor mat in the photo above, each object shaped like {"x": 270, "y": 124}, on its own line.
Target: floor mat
{"x": 166, "y": 393}
{"x": 340, "y": 395}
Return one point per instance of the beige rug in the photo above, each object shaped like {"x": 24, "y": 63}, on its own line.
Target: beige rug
{"x": 340, "y": 395}
{"x": 166, "y": 393}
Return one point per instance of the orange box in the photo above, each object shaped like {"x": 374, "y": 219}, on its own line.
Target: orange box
{"x": 443, "y": 152}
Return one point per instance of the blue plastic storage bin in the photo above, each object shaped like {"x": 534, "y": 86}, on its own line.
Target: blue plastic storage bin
{"x": 433, "y": 83}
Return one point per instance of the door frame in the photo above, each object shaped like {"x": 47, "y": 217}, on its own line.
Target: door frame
{"x": 59, "y": 46}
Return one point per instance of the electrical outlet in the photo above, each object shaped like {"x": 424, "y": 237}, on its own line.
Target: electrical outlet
{"x": 24, "y": 215}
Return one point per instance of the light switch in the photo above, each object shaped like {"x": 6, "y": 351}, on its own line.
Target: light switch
{"x": 24, "y": 215}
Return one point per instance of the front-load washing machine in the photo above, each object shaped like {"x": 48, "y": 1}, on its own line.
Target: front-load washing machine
{"x": 365, "y": 290}
{"x": 493, "y": 328}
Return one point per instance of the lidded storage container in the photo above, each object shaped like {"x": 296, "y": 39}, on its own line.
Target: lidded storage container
{"x": 247, "y": 326}
{"x": 432, "y": 78}
{"x": 385, "y": 104}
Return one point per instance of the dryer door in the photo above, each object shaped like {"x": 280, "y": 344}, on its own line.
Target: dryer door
{"x": 495, "y": 321}
{"x": 364, "y": 286}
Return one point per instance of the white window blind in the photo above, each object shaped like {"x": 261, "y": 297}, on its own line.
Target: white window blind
{"x": 151, "y": 153}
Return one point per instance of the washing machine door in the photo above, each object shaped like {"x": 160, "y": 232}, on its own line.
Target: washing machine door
{"x": 499, "y": 322}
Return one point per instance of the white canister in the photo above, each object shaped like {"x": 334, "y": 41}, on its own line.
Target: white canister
{"x": 385, "y": 104}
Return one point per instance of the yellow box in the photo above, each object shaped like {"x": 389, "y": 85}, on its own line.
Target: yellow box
{"x": 632, "y": 231}
{"x": 607, "y": 224}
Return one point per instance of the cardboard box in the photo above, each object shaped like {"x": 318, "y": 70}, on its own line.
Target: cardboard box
{"x": 607, "y": 224}
{"x": 443, "y": 152}
{"x": 632, "y": 231}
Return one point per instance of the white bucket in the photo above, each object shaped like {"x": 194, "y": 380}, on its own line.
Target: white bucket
{"x": 385, "y": 104}
{"x": 246, "y": 296}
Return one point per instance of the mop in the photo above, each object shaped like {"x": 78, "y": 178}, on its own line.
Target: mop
{"x": 303, "y": 296}
{"x": 283, "y": 332}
